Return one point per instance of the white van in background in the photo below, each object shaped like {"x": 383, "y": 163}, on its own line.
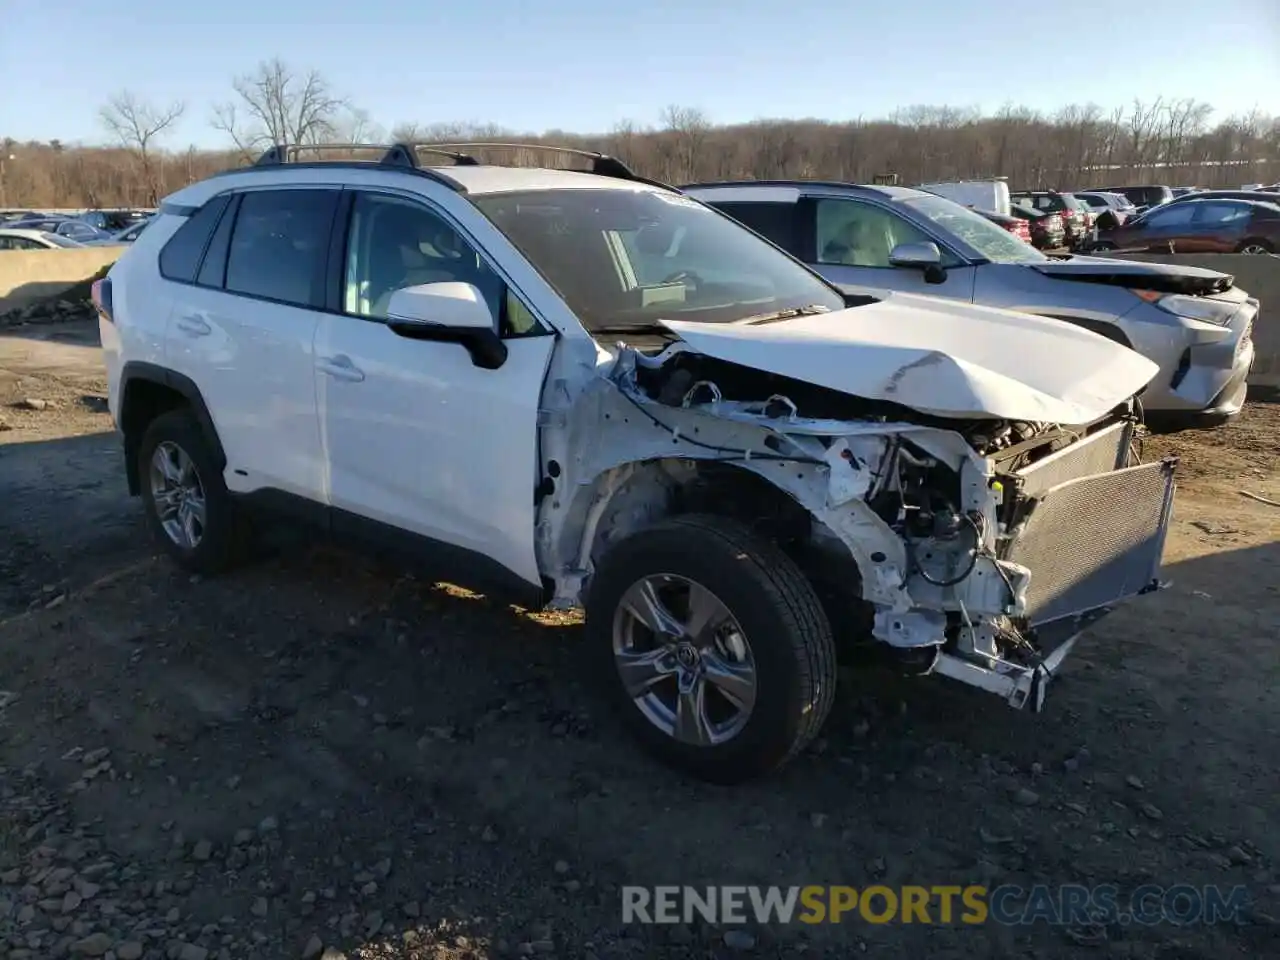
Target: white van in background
{"x": 989, "y": 195}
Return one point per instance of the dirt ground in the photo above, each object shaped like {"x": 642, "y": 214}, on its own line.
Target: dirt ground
{"x": 318, "y": 754}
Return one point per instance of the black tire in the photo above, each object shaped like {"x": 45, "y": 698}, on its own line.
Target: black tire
{"x": 1255, "y": 242}
{"x": 1104, "y": 245}
{"x": 779, "y": 613}
{"x": 222, "y": 541}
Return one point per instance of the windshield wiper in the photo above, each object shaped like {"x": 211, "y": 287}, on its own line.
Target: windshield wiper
{"x": 807, "y": 311}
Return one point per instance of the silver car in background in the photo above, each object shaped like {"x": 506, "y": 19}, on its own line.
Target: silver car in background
{"x": 1196, "y": 324}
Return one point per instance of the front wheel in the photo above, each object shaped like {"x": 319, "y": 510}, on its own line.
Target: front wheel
{"x": 713, "y": 646}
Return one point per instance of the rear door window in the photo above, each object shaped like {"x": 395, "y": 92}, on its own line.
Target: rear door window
{"x": 1211, "y": 214}
{"x": 279, "y": 245}
{"x": 773, "y": 221}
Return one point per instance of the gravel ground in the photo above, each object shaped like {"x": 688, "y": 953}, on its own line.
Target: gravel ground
{"x": 319, "y": 756}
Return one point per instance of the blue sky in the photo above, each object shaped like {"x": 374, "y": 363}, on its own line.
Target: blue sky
{"x": 585, "y": 65}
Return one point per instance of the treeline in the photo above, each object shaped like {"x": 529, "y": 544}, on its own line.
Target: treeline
{"x": 1176, "y": 142}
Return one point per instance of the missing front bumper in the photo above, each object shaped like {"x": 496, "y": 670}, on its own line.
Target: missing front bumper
{"x": 1022, "y": 685}
{"x": 1090, "y": 542}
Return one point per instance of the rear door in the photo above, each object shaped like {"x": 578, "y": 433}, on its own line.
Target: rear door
{"x": 243, "y": 328}
{"x": 1217, "y": 227}
{"x": 849, "y": 241}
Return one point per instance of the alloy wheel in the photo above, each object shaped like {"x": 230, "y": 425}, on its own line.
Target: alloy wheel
{"x": 178, "y": 495}
{"x": 684, "y": 660}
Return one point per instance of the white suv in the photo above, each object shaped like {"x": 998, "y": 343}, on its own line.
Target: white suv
{"x": 593, "y": 390}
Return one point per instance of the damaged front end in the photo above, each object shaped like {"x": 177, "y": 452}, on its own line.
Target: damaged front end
{"x": 973, "y": 548}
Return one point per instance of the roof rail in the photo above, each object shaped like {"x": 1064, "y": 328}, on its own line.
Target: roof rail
{"x": 602, "y": 164}
{"x": 395, "y": 154}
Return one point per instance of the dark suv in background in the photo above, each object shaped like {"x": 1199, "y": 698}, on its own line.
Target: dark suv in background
{"x": 1077, "y": 222}
{"x": 112, "y": 221}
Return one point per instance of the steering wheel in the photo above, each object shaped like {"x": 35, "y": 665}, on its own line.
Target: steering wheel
{"x": 684, "y": 275}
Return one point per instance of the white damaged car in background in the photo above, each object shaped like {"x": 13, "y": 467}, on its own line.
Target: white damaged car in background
{"x": 624, "y": 400}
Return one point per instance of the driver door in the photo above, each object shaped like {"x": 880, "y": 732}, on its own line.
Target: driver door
{"x": 852, "y": 241}
{"x": 417, "y": 438}
{"x": 1166, "y": 229}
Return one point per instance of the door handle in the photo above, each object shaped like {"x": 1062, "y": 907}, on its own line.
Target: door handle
{"x": 194, "y": 325}
{"x": 341, "y": 368}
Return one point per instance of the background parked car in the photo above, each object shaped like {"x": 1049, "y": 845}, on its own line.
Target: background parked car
{"x": 1200, "y": 226}
{"x": 1047, "y": 229}
{"x": 112, "y": 221}
{"x": 988, "y": 196}
{"x": 68, "y": 227}
{"x": 1265, "y": 196}
{"x": 1076, "y": 220}
{"x": 1019, "y": 227}
{"x": 15, "y": 239}
{"x": 127, "y": 235}
{"x": 1119, "y": 208}
{"x": 877, "y": 240}
{"x": 1141, "y": 197}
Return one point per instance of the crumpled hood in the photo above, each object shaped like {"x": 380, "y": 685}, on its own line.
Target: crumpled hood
{"x": 939, "y": 357}
{"x": 1165, "y": 277}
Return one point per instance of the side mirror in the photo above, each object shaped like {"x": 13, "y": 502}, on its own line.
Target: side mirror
{"x": 448, "y": 312}
{"x": 921, "y": 256}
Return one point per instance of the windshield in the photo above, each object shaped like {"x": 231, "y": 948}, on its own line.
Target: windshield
{"x": 992, "y": 242}
{"x": 632, "y": 257}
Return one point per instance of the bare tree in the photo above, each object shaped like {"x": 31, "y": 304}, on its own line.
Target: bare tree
{"x": 682, "y": 139}
{"x": 275, "y": 105}
{"x": 1074, "y": 147}
{"x": 138, "y": 126}
{"x": 354, "y": 125}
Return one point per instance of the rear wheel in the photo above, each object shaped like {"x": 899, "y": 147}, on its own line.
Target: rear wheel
{"x": 1257, "y": 247}
{"x": 189, "y": 511}
{"x": 713, "y": 646}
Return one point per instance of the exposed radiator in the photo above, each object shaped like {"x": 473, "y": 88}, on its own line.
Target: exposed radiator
{"x": 1093, "y": 540}
{"x": 1106, "y": 450}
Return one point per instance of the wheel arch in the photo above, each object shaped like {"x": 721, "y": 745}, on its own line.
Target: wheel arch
{"x": 148, "y": 390}
{"x": 636, "y": 495}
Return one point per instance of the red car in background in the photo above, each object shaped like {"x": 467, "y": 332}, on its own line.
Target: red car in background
{"x": 1015, "y": 225}
{"x": 1199, "y": 226}
{"x": 1048, "y": 232}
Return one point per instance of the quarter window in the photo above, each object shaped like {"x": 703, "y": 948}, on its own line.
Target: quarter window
{"x": 855, "y": 234}
{"x": 279, "y": 245}
{"x": 180, "y": 258}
